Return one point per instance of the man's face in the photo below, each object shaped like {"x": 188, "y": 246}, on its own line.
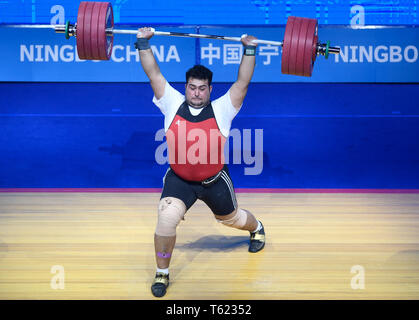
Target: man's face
{"x": 197, "y": 92}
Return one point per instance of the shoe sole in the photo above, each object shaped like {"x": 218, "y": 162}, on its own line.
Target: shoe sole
{"x": 157, "y": 295}
{"x": 258, "y": 250}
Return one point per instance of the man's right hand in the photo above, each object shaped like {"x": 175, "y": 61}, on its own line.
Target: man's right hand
{"x": 145, "y": 32}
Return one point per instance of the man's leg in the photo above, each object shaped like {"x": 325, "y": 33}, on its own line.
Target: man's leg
{"x": 239, "y": 219}
{"x": 221, "y": 199}
{"x": 176, "y": 198}
{"x": 171, "y": 211}
{"x": 245, "y": 220}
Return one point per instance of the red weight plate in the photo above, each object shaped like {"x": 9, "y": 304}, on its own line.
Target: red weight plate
{"x": 94, "y": 31}
{"x": 292, "y": 65}
{"x": 311, "y": 44}
{"x": 102, "y": 31}
{"x": 105, "y": 21}
{"x": 302, "y": 39}
{"x": 87, "y": 31}
{"x": 286, "y": 45}
{"x": 80, "y": 29}
{"x": 110, "y": 38}
{"x": 314, "y": 49}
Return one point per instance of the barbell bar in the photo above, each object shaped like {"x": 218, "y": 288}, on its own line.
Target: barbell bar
{"x": 94, "y": 32}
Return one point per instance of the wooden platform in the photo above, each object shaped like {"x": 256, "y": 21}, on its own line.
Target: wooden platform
{"x": 104, "y": 244}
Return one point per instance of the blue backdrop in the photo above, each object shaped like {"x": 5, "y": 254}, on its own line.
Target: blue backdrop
{"x": 234, "y": 12}
{"x": 387, "y": 54}
{"x": 314, "y": 135}
{"x": 353, "y": 124}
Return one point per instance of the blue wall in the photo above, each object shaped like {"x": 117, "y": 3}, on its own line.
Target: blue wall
{"x": 358, "y": 130}
{"x": 315, "y": 135}
{"x": 219, "y": 11}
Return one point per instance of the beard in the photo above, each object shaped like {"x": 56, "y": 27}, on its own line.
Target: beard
{"x": 197, "y": 103}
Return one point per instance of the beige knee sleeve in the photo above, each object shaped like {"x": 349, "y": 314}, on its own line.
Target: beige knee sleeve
{"x": 171, "y": 211}
{"x": 237, "y": 221}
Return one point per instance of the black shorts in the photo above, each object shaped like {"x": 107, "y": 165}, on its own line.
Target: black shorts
{"x": 219, "y": 196}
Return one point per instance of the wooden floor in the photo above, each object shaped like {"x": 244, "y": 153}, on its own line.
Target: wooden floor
{"x": 104, "y": 244}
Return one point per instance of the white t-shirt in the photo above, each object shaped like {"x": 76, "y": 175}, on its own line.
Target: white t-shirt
{"x": 172, "y": 99}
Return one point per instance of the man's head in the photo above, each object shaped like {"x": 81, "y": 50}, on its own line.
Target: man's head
{"x": 198, "y": 86}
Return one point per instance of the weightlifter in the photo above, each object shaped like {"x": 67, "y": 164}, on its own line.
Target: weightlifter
{"x": 196, "y": 175}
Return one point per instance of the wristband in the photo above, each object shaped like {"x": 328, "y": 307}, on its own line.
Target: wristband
{"x": 249, "y": 50}
{"x": 142, "y": 44}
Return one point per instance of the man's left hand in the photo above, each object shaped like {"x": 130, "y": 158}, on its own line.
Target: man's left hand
{"x": 247, "y": 40}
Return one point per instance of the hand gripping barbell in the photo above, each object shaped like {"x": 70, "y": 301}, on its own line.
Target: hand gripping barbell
{"x": 94, "y": 33}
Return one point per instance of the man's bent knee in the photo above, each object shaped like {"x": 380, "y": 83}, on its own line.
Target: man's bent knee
{"x": 236, "y": 219}
{"x": 171, "y": 211}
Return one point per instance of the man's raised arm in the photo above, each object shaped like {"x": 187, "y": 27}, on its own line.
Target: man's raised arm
{"x": 239, "y": 88}
{"x": 149, "y": 63}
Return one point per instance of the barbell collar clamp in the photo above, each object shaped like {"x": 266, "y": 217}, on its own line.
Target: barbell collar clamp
{"x": 62, "y": 28}
{"x": 323, "y": 49}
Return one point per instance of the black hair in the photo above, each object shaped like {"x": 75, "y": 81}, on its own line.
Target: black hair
{"x": 199, "y": 72}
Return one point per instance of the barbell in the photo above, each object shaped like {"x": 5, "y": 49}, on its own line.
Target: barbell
{"x": 94, "y": 32}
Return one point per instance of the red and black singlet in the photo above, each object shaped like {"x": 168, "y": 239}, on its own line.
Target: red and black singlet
{"x": 195, "y": 144}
